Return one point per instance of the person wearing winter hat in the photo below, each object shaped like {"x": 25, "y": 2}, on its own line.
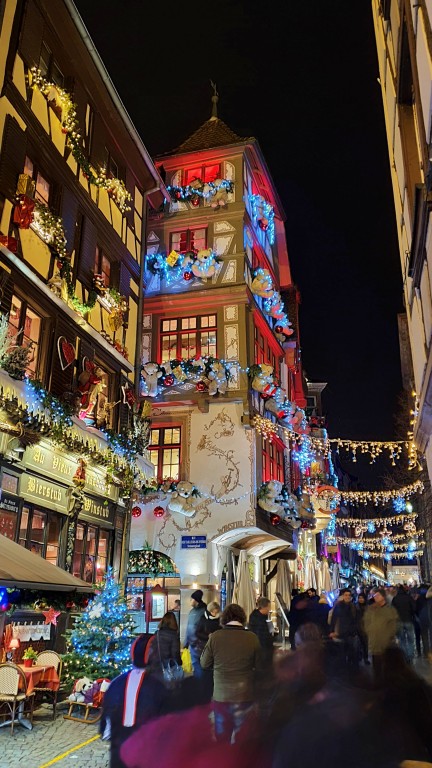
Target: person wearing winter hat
{"x": 131, "y": 700}
{"x": 191, "y": 641}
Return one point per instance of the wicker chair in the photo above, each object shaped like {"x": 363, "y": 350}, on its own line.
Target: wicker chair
{"x": 49, "y": 659}
{"x": 13, "y": 691}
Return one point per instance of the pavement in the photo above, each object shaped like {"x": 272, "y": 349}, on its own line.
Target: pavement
{"x": 67, "y": 744}
{"x": 50, "y": 740}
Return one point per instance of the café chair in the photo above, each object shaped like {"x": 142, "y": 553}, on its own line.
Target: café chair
{"x": 13, "y": 692}
{"x": 49, "y": 659}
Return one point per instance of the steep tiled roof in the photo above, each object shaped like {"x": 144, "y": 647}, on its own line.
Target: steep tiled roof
{"x": 212, "y": 133}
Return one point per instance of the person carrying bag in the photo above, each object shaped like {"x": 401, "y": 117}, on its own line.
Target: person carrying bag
{"x": 165, "y": 660}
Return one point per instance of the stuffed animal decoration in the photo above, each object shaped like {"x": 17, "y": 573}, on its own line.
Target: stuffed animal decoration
{"x": 269, "y": 498}
{"x": 262, "y": 379}
{"x": 220, "y": 198}
{"x": 277, "y": 404}
{"x": 262, "y": 284}
{"x": 217, "y": 378}
{"x": 184, "y": 499}
{"x": 204, "y": 265}
{"x": 283, "y": 330}
{"x": 151, "y": 374}
{"x": 80, "y": 689}
{"x": 277, "y": 309}
{"x": 90, "y": 385}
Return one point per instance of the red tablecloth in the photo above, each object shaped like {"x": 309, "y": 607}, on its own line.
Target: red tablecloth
{"x": 40, "y": 677}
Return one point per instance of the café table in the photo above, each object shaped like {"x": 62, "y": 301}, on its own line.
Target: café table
{"x": 36, "y": 677}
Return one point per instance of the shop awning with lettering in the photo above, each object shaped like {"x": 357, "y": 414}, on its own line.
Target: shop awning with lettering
{"x": 23, "y": 569}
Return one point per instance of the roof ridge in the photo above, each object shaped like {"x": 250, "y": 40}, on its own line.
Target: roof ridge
{"x": 214, "y": 132}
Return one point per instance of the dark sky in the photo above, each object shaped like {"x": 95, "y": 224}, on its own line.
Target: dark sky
{"x": 302, "y": 78}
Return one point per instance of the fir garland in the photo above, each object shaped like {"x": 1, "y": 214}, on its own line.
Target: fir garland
{"x": 70, "y": 126}
{"x": 65, "y": 270}
{"x": 148, "y": 561}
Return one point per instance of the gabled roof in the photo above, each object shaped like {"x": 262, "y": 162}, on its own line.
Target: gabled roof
{"x": 212, "y": 133}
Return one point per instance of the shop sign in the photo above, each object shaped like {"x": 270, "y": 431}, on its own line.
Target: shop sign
{"x": 60, "y": 467}
{"x": 194, "y": 542}
{"x": 9, "y": 503}
{"x": 44, "y": 492}
{"x": 97, "y": 510}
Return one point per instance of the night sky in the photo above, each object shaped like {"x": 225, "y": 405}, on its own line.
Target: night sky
{"x": 301, "y": 78}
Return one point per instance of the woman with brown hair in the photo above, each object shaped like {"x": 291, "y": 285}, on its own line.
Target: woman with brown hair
{"x": 165, "y": 646}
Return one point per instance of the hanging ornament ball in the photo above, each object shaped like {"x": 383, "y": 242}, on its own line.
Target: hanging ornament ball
{"x": 195, "y": 201}
{"x": 187, "y": 276}
{"x": 4, "y": 607}
{"x": 158, "y": 511}
{"x": 275, "y": 519}
{"x": 169, "y": 380}
{"x": 136, "y": 511}
{"x": 200, "y": 386}
{"x": 278, "y": 328}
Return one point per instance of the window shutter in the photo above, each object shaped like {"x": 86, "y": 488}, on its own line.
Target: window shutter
{"x": 31, "y": 34}
{"x": 62, "y": 381}
{"x": 6, "y": 291}
{"x": 12, "y": 157}
{"x": 124, "y": 281}
{"x": 124, "y": 410}
{"x": 69, "y": 212}
{"x": 88, "y": 248}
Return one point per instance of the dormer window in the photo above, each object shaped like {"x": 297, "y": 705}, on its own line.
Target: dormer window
{"x": 205, "y": 173}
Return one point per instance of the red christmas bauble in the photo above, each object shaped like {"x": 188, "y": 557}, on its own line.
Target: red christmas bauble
{"x": 275, "y": 519}
{"x": 136, "y": 512}
{"x": 169, "y": 380}
{"x": 201, "y": 386}
{"x": 278, "y": 329}
{"x": 158, "y": 511}
{"x": 65, "y": 130}
{"x": 195, "y": 201}
{"x": 187, "y": 276}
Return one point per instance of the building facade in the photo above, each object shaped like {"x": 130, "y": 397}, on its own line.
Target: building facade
{"x": 222, "y": 368}
{"x": 75, "y": 185}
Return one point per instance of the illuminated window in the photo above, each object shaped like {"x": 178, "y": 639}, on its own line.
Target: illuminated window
{"x": 187, "y": 337}
{"x": 42, "y": 191}
{"x": 102, "y": 265}
{"x": 205, "y": 173}
{"x": 263, "y": 350}
{"x": 272, "y": 461}
{"x": 26, "y": 330}
{"x": 189, "y": 240}
{"x": 91, "y": 551}
{"x": 165, "y": 449}
{"x": 40, "y": 532}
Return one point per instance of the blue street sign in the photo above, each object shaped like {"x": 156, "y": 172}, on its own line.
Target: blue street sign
{"x": 194, "y": 542}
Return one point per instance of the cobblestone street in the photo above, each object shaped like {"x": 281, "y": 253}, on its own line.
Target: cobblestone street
{"x": 48, "y": 740}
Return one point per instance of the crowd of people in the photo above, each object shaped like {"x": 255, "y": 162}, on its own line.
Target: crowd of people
{"x": 249, "y": 703}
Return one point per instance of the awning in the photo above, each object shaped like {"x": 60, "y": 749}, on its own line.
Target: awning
{"x": 23, "y": 569}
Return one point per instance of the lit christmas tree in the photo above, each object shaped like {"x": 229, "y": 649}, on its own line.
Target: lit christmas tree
{"x": 100, "y": 642}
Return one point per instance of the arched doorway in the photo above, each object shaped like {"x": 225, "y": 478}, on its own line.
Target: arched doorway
{"x": 152, "y": 588}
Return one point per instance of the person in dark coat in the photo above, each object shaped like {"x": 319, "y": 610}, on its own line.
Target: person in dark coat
{"x": 132, "y": 699}
{"x": 208, "y": 623}
{"x": 166, "y": 645}
{"x": 258, "y": 625}
{"x": 344, "y": 626}
{"x": 197, "y": 609}
{"x": 361, "y": 608}
{"x": 405, "y": 606}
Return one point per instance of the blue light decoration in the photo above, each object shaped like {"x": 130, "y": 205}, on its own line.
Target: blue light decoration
{"x": 387, "y": 557}
{"x": 366, "y": 555}
{"x": 411, "y": 545}
{"x": 399, "y": 504}
{"x": 200, "y": 189}
{"x": 390, "y": 547}
{"x": 305, "y": 455}
{"x": 263, "y": 215}
{"x": 174, "y": 266}
{"x": 330, "y": 532}
{"x": 39, "y": 399}
{"x": 410, "y": 555}
{"x": 386, "y": 541}
{"x": 4, "y": 600}
{"x": 371, "y": 527}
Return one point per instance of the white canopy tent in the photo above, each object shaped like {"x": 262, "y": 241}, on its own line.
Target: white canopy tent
{"x": 23, "y": 569}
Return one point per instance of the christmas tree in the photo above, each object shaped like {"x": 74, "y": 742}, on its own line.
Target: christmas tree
{"x": 100, "y": 642}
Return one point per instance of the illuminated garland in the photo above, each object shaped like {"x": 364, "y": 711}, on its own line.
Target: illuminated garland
{"x": 380, "y": 545}
{"x": 147, "y": 561}
{"x": 381, "y": 497}
{"x": 207, "y": 373}
{"x": 50, "y": 228}
{"x": 199, "y": 190}
{"x": 323, "y": 445}
{"x": 263, "y": 215}
{"x": 174, "y": 266}
{"x": 70, "y": 126}
{"x": 378, "y": 521}
{"x": 262, "y": 286}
